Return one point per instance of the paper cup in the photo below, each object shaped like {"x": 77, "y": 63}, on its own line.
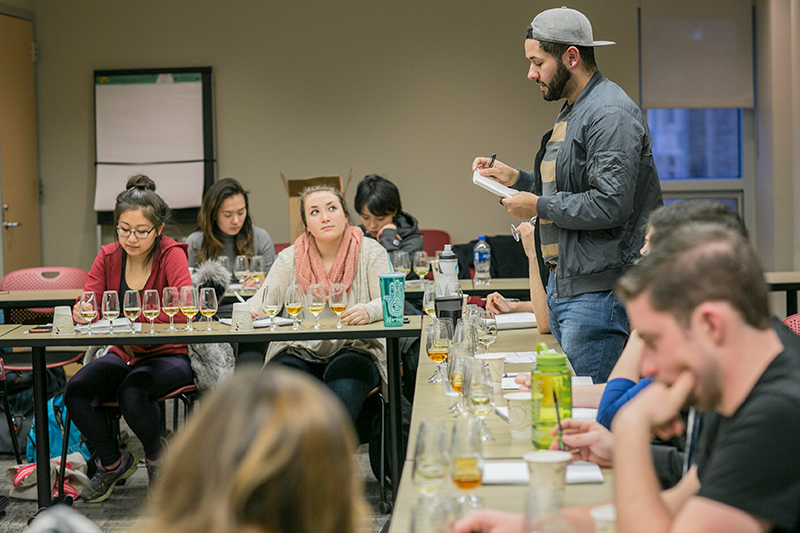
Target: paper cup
{"x": 62, "y": 321}
{"x": 241, "y": 319}
{"x": 393, "y": 298}
{"x": 605, "y": 518}
{"x": 548, "y": 469}
{"x": 519, "y": 414}
{"x": 495, "y": 363}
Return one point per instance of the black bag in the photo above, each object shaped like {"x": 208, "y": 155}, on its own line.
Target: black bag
{"x": 20, "y": 398}
{"x": 372, "y": 408}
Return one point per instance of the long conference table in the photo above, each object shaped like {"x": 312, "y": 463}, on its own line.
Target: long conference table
{"x": 12, "y": 335}
{"x": 430, "y": 402}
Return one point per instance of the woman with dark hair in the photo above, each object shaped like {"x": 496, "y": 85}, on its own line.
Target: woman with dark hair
{"x": 382, "y": 216}
{"x": 227, "y": 229}
{"x": 133, "y": 376}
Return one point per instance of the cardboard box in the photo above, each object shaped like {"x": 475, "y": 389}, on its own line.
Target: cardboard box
{"x": 294, "y": 187}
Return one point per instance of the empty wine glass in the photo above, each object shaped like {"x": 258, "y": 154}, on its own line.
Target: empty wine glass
{"x": 429, "y": 298}
{"x": 189, "y": 306}
{"x": 271, "y": 303}
{"x": 478, "y": 393}
{"x": 295, "y": 300}
{"x": 337, "y": 299}
{"x": 421, "y": 264}
{"x": 258, "y": 268}
{"x": 132, "y": 307}
{"x": 151, "y": 307}
{"x": 241, "y": 268}
{"x": 88, "y": 309}
{"x": 110, "y": 308}
{"x": 487, "y": 329}
{"x": 401, "y": 262}
{"x": 514, "y": 231}
{"x": 170, "y": 304}
{"x": 430, "y": 457}
{"x": 208, "y": 304}
{"x": 466, "y": 463}
{"x": 225, "y": 261}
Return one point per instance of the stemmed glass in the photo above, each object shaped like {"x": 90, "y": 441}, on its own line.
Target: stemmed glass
{"x": 430, "y": 457}
{"x": 337, "y": 299}
{"x": 189, "y": 306}
{"x": 295, "y": 298}
{"x": 514, "y": 231}
{"x": 466, "y": 463}
{"x": 225, "y": 261}
{"x": 132, "y": 307}
{"x": 421, "y": 264}
{"x": 401, "y": 262}
{"x": 241, "y": 268}
{"x": 487, "y": 329}
{"x": 258, "y": 268}
{"x": 438, "y": 341}
{"x": 170, "y": 304}
{"x": 271, "y": 303}
{"x": 88, "y": 309}
{"x": 110, "y": 308}
{"x": 429, "y": 299}
{"x": 456, "y": 363}
{"x": 479, "y": 394}
{"x": 208, "y": 304}
{"x": 315, "y": 302}
{"x": 152, "y": 307}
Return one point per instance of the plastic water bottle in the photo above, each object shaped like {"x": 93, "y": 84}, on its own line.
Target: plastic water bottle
{"x": 482, "y": 259}
{"x": 448, "y": 269}
{"x": 551, "y": 384}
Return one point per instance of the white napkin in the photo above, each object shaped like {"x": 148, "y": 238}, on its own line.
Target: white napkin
{"x": 101, "y": 326}
{"x": 515, "y": 320}
{"x": 263, "y": 322}
{"x": 516, "y": 473}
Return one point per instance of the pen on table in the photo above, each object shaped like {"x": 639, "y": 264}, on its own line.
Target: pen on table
{"x": 513, "y": 374}
{"x": 510, "y": 300}
{"x": 491, "y": 163}
{"x": 558, "y": 419}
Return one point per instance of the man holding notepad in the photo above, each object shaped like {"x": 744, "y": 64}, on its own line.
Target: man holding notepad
{"x": 593, "y": 186}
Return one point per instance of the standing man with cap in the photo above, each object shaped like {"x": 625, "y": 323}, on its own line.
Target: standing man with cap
{"x": 593, "y": 185}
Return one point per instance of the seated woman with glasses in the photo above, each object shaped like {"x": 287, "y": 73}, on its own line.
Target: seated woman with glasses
{"x": 331, "y": 251}
{"x": 133, "y": 376}
{"x": 226, "y": 228}
{"x": 382, "y": 217}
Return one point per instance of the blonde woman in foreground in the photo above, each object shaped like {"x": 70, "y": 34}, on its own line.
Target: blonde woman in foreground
{"x": 267, "y": 452}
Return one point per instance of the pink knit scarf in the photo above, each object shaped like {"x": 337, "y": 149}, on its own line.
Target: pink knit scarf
{"x": 308, "y": 263}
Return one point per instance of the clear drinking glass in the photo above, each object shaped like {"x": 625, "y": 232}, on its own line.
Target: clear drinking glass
{"x": 132, "y": 307}
{"x": 171, "y": 304}
{"x": 514, "y": 231}
{"x": 429, "y": 298}
{"x": 88, "y": 309}
{"x": 151, "y": 307}
{"x": 225, "y": 261}
{"x": 208, "y": 304}
{"x": 456, "y": 363}
{"x": 337, "y": 299}
{"x": 438, "y": 341}
{"x": 479, "y": 394}
{"x": 241, "y": 268}
{"x": 315, "y": 302}
{"x": 294, "y": 302}
{"x": 258, "y": 269}
{"x": 466, "y": 463}
{"x": 401, "y": 262}
{"x": 110, "y": 308}
{"x": 543, "y": 512}
{"x": 421, "y": 264}
{"x": 189, "y": 306}
{"x": 430, "y": 457}
{"x": 271, "y": 303}
{"x": 487, "y": 329}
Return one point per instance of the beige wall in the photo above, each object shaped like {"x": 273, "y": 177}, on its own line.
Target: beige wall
{"x": 411, "y": 90}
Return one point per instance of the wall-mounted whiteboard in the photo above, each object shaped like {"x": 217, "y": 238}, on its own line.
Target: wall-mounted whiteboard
{"x": 156, "y": 122}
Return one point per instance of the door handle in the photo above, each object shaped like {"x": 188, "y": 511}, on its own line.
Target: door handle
{"x": 11, "y": 224}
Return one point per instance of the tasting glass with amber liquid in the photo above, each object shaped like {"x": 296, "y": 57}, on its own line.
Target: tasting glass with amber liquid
{"x": 466, "y": 462}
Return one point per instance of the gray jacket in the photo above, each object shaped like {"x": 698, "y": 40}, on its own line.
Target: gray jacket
{"x": 607, "y": 188}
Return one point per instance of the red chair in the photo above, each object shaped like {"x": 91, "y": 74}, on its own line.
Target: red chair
{"x": 793, "y": 323}
{"x": 40, "y": 279}
{"x": 433, "y": 240}
{"x": 280, "y": 246}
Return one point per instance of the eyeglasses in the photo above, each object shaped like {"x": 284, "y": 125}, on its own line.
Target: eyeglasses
{"x": 140, "y": 233}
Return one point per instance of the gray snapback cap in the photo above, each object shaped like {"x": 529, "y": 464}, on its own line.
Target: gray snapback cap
{"x": 566, "y": 26}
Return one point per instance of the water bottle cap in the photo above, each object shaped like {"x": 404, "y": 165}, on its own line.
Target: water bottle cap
{"x": 482, "y": 238}
{"x": 551, "y": 361}
{"x": 447, "y": 248}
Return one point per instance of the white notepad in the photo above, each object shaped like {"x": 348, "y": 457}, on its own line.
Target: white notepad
{"x": 515, "y": 320}
{"x": 516, "y": 473}
{"x": 101, "y": 326}
{"x": 262, "y": 322}
{"x": 492, "y": 186}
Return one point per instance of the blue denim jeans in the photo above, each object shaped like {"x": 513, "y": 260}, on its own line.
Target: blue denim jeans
{"x": 592, "y": 329}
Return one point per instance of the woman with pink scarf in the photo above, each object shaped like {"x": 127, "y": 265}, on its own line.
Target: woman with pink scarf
{"x": 332, "y": 251}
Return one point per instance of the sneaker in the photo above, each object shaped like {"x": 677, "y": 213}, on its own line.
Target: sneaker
{"x": 101, "y": 485}
{"x": 153, "y": 469}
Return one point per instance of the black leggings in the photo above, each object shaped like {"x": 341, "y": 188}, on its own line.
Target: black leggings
{"x": 135, "y": 389}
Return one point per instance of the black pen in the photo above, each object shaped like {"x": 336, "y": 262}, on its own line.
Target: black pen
{"x": 491, "y": 163}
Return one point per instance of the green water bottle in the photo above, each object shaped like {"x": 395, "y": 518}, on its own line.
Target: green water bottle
{"x": 551, "y": 375}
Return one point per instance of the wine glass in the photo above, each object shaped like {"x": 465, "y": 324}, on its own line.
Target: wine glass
{"x": 241, "y": 268}
{"x": 295, "y": 298}
{"x": 456, "y": 363}
{"x": 438, "y": 341}
{"x": 429, "y": 298}
{"x": 271, "y": 303}
{"x": 401, "y": 262}
{"x": 208, "y": 304}
{"x": 315, "y": 302}
{"x": 225, "y": 261}
{"x": 430, "y": 514}
{"x": 189, "y": 306}
{"x": 170, "y": 304}
{"x": 337, "y": 299}
{"x": 487, "y": 329}
{"x": 110, "y": 308}
{"x": 430, "y": 457}
{"x": 479, "y": 394}
{"x": 466, "y": 462}
{"x": 151, "y": 307}
{"x": 88, "y": 309}
{"x": 514, "y": 231}
{"x": 421, "y": 264}
{"x": 132, "y": 307}
{"x": 258, "y": 268}
{"x": 543, "y": 511}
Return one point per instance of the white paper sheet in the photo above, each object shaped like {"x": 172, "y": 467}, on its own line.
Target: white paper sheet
{"x": 516, "y": 473}
{"x": 492, "y": 186}
{"x": 262, "y": 322}
{"x": 101, "y": 326}
{"x": 515, "y": 320}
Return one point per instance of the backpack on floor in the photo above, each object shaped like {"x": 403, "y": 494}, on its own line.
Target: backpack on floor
{"x": 55, "y": 422}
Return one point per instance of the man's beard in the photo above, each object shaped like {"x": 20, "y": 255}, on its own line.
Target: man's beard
{"x": 556, "y": 86}
{"x": 707, "y": 391}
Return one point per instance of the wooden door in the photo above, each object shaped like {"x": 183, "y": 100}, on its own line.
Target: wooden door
{"x": 19, "y": 184}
